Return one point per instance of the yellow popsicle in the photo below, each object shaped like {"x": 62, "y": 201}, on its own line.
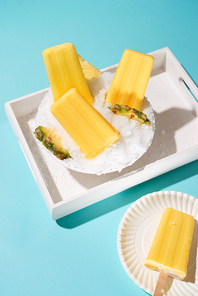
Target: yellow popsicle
{"x": 88, "y": 128}
{"x": 131, "y": 78}
{"x": 171, "y": 245}
{"x": 64, "y": 71}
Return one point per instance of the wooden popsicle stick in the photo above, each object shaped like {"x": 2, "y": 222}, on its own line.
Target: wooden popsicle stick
{"x": 159, "y": 289}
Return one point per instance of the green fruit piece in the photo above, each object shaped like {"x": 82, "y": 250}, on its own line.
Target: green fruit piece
{"x": 51, "y": 141}
{"x": 131, "y": 113}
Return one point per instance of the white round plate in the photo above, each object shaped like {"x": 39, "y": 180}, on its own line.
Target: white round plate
{"x": 134, "y": 140}
{"x": 135, "y": 235}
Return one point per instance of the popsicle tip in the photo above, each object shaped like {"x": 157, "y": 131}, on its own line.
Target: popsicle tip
{"x": 65, "y": 44}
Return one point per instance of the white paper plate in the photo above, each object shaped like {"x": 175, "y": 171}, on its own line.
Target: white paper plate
{"x": 135, "y": 235}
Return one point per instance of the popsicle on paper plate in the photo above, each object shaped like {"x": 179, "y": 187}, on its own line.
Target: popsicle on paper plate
{"x": 64, "y": 71}
{"x": 169, "y": 252}
{"x": 88, "y": 128}
{"x": 131, "y": 78}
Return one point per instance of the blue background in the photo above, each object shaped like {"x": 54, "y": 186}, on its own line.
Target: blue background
{"x": 77, "y": 255}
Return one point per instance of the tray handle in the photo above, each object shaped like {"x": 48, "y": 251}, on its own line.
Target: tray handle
{"x": 190, "y": 85}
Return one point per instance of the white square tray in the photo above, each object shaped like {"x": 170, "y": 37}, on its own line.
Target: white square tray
{"x": 173, "y": 96}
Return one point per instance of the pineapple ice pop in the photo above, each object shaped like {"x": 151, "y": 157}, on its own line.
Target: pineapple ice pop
{"x": 88, "y": 128}
{"x": 170, "y": 249}
{"x": 64, "y": 71}
{"x": 131, "y": 78}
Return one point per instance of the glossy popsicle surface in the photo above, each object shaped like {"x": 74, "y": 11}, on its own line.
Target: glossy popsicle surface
{"x": 171, "y": 245}
{"x": 64, "y": 71}
{"x": 131, "y": 78}
{"x": 88, "y": 128}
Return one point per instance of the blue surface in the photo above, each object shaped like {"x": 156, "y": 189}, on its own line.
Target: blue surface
{"x": 77, "y": 255}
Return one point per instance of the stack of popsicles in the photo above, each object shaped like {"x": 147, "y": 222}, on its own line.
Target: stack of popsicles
{"x": 72, "y": 107}
{"x": 92, "y": 133}
{"x": 73, "y": 100}
{"x": 169, "y": 252}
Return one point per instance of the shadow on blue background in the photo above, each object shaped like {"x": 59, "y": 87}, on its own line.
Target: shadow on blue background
{"x": 129, "y": 196}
